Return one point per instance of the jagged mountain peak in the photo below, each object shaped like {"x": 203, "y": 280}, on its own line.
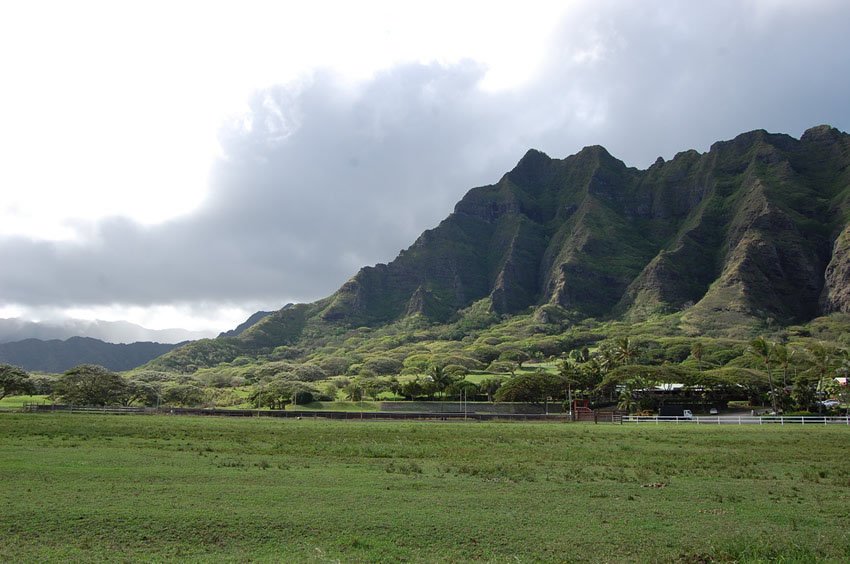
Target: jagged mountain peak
{"x": 747, "y": 231}
{"x": 820, "y": 133}
{"x": 579, "y": 232}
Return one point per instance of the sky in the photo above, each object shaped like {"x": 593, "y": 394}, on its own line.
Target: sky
{"x": 184, "y": 164}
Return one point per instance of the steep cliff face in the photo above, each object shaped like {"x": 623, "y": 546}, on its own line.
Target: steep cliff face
{"x": 748, "y": 228}
{"x": 756, "y": 228}
{"x": 836, "y": 292}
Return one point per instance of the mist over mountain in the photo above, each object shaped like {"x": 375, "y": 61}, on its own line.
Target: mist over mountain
{"x": 16, "y": 329}
{"x": 755, "y": 231}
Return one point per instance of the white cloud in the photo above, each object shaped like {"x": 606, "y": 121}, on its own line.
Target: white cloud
{"x": 124, "y": 100}
{"x": 345, "y": 137}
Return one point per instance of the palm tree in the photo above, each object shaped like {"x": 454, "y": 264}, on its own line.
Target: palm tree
{"x": 763, "y": 351}
{"x": 353, "y": 391}
{"x": 822, "y": 363}
{"x": 627, "y": 402}
{"x": 784, "y": 355}
{"x": 442, "y": 379}
{"x": 490, "y": 386}
{"x": 604, "y": 360}
{"x": 568, "y": 372}
{"x": 581, "y": 355}
{"x": 626, "y": 351}
{"x": 636, "y": 387}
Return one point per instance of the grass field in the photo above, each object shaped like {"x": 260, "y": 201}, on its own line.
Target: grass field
{"x": 17, "y": 402}
{"x": 88, "y": 487}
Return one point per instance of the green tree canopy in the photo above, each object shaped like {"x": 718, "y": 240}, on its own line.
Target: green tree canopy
{"x": 533, "y": 387}
{"x": 186, "y": 395}
{"x": 515, "y": 355}
{"x": 90, "y": 384}
{"x": 383, "y": 365}
{"x": 14, "y": 381}
{"x": 279, "y": 392}
{"x": 147, "y": 393}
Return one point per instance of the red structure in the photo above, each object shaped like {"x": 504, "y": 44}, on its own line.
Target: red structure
{"x": 581, "y": 410}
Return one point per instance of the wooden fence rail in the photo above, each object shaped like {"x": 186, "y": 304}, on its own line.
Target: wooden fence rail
{"x": 364, "y": 415}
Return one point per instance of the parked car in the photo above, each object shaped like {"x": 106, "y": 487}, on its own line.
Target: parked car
{"x": 830, "y": 403}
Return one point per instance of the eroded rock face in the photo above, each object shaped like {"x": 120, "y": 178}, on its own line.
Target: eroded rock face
{"x": 743, "y": 232}
{"x": 736, "y": 229}
{"x": 771, "y": 269}
{"x": 836, "y": 290}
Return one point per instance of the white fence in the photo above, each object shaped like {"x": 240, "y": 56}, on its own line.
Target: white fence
{"x": 740, "y": 420}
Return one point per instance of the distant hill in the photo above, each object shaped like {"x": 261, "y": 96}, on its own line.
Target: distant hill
{"x": 755, "y": 231}
{"x": 110, "y": 331}
{"x": 58, "y": 356}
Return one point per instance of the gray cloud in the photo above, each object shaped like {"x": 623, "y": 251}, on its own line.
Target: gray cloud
{"x": 322, "y": 177}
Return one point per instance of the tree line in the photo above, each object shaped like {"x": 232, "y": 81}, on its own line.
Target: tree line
{"x": 621, "y": 372}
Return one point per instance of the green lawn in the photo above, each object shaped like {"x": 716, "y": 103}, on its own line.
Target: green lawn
{"x": 17, "y": 402}
{"x": 90, "y": 487}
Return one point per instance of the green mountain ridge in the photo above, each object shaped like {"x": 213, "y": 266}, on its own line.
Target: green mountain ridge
{"x": 755, "y": 230}
{"x": 59, "y": 355}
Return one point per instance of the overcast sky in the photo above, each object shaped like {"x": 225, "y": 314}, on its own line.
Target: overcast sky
{"x": 185, "y": 164}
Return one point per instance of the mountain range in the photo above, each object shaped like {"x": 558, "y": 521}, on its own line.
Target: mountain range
{"x": 754, "y": 231}
{"x": 757, "y": 227}
{"x": 60, "y": 345}
{"x": 16, "y": 329}
{"x": 57, "y": 356}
